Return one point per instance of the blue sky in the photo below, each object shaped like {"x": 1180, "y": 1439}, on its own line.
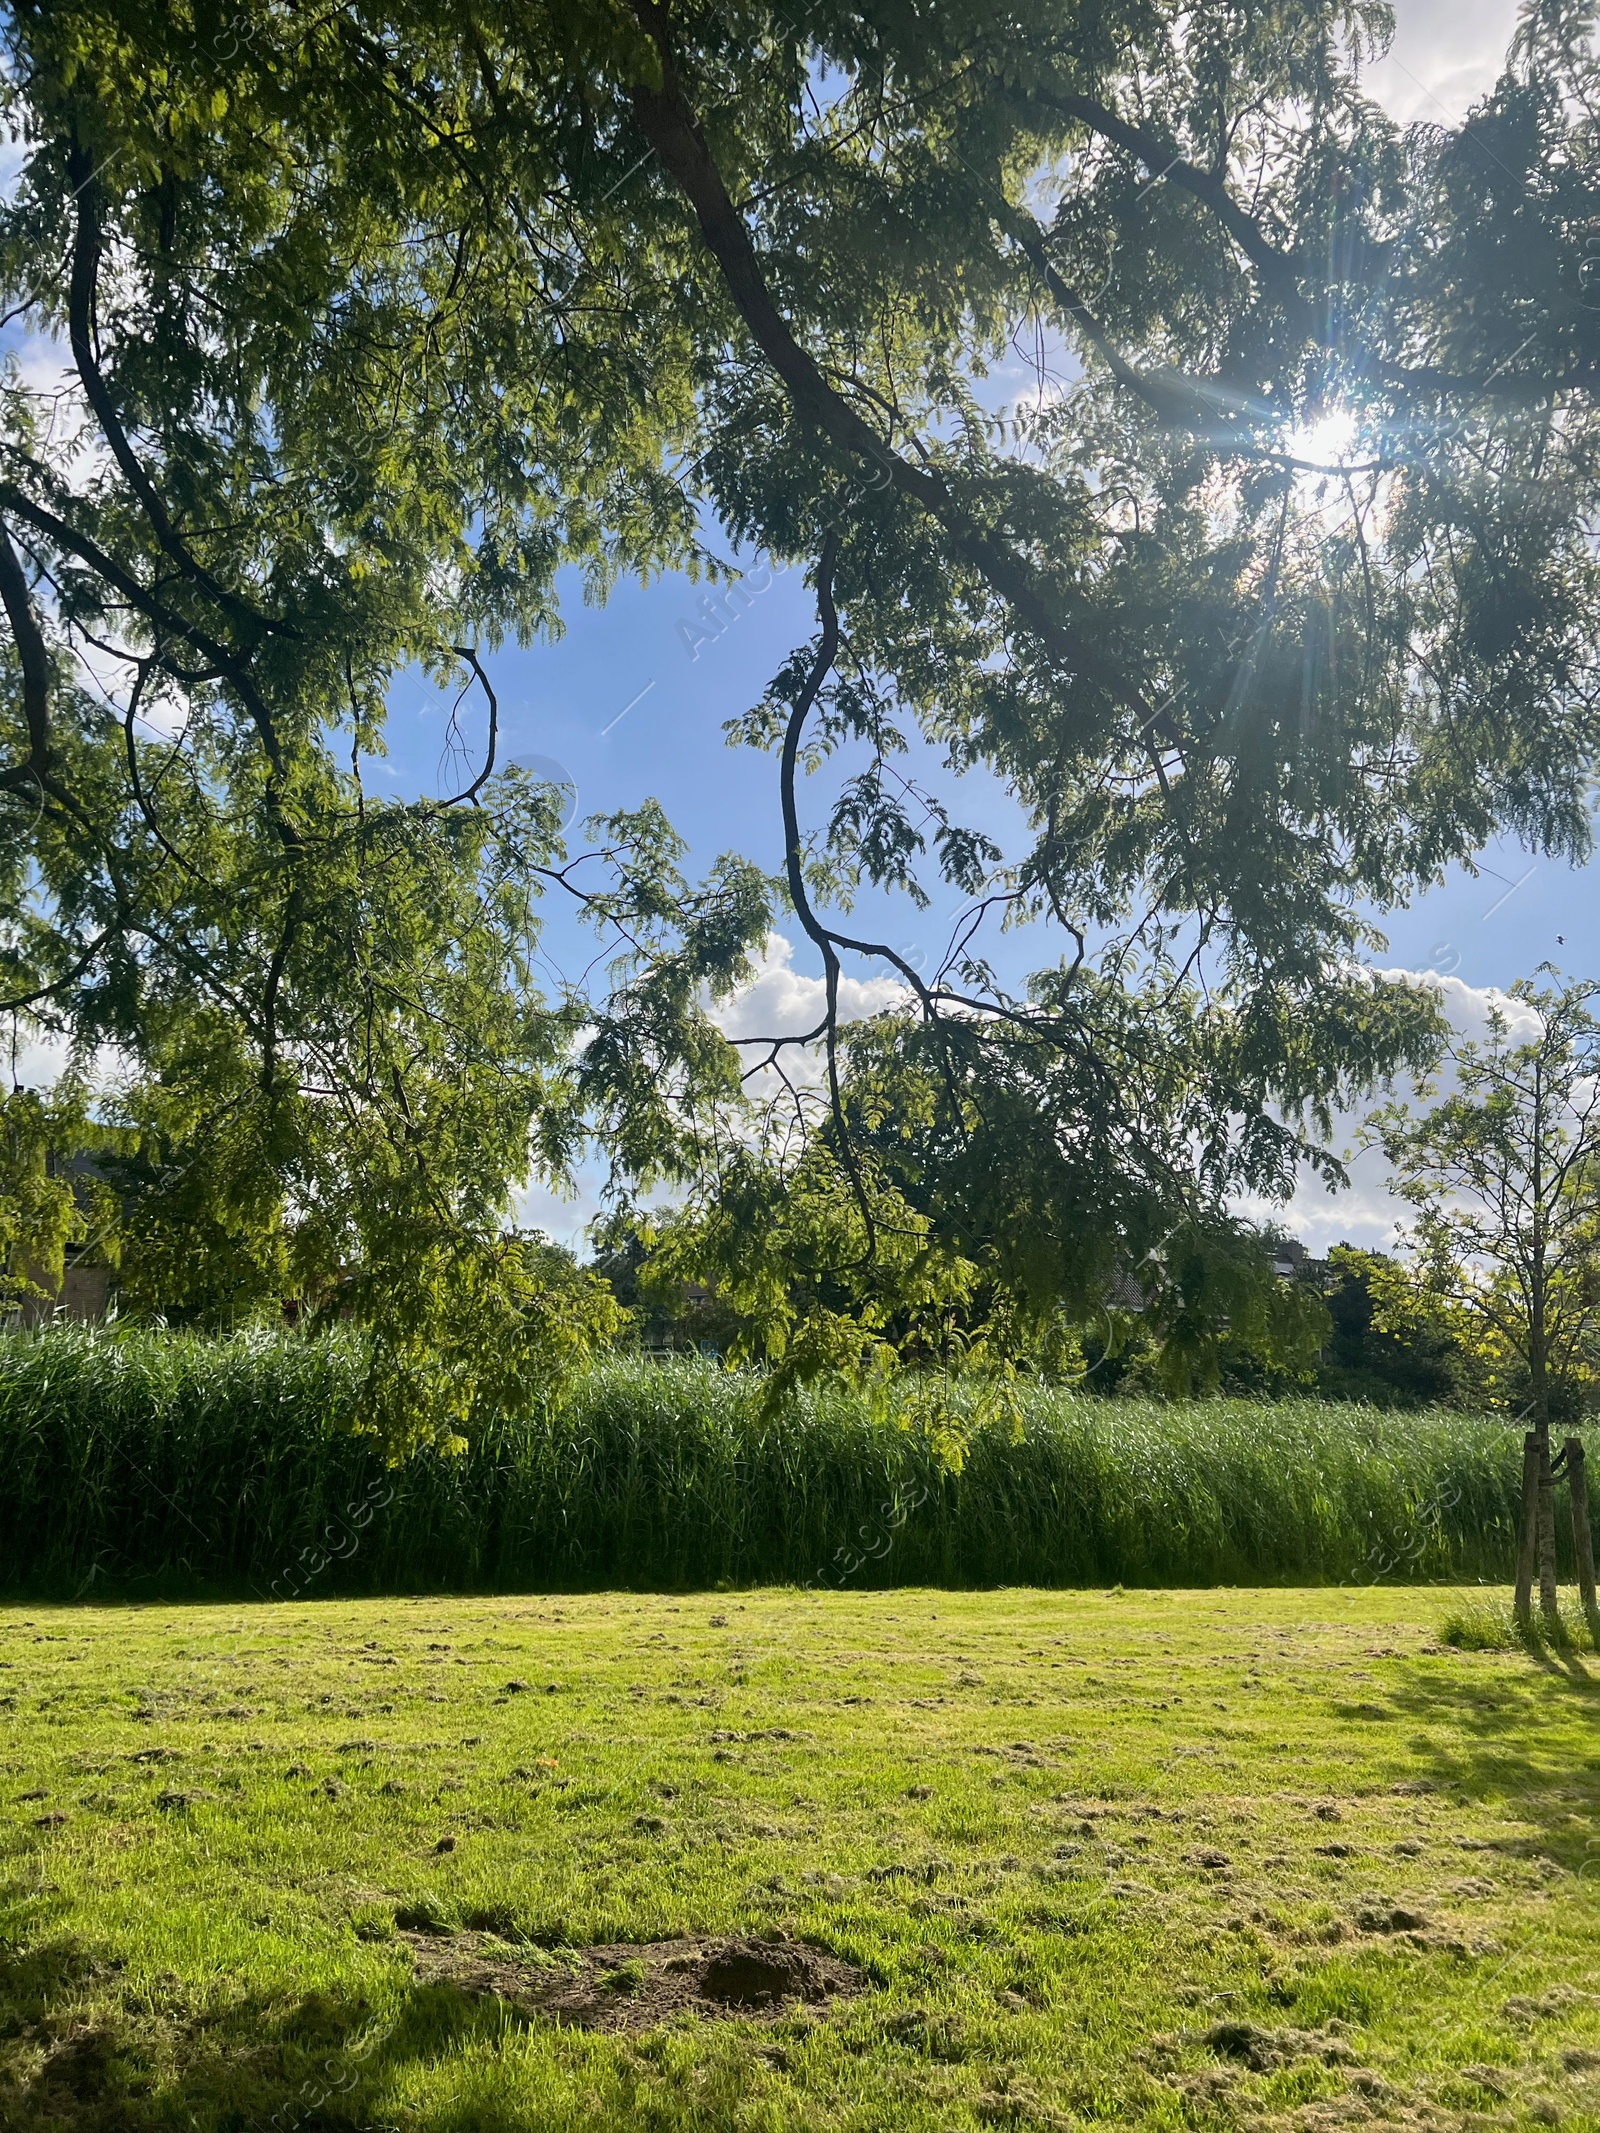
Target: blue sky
{"x": 631, "y": 704}
{"x": 632, "y": 701}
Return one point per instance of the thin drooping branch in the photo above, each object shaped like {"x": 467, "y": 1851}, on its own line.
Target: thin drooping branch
{"x": 151, "y": 608}
{"x": 467, "y": 652}
{"x": 799, "y": 895}
{"x": 142, "y": 798}
{"x": 800, "y": 711}
{"x": 273, "y": 987}
{"x": 829, "y": 941}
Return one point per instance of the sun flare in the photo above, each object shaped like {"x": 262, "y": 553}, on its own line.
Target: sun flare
{"x": 1325, "y": 442}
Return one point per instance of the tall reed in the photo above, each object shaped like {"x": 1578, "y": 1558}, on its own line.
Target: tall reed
{"x": 154, "y": 1463}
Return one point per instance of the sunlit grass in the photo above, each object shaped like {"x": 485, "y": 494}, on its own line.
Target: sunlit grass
{"x": 1157, "y": 1860}
{"x": 1487, "y": 1623}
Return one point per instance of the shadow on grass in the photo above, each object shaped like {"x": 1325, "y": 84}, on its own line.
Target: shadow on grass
{"x": 1523, "y": 1726}
{"x": 80, "y": 2055}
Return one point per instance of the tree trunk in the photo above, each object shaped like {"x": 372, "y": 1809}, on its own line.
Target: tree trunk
{"x": 1582, "y": 1538}
{"x": 1549, "y": 1593}
{"x": 1528, "y": 1537}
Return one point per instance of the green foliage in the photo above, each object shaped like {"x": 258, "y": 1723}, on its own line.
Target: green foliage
{"x": 39, "y": 1212}
{"x": 1220, "y": 1301}
{"x": 323, "y": 1061}
{"x": 986, "y": 1200}
{"x": 1483, "y": 1626}
{"x": 144, "y": 1462}
{"x": 658, "y": 1316}
{"x": 198, "y": 1167}
{"x": 825, "y": 1270}
{"x": 479, "y": 1330}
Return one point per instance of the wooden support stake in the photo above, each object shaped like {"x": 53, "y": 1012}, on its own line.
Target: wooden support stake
{"x": 1549, "y": 1591}
{"x": 1582, "y": 1538}
{"x": 1528, "y": 1538}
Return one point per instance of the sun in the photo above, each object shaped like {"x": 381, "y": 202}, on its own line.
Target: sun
{"x": 1324, "y": 443}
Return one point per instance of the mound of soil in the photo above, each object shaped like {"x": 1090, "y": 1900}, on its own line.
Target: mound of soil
{"x": 635, "y": 1985}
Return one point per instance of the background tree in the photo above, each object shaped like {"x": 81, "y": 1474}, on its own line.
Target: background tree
{"x": 1505, "y": 1249}
{"x": 1079, "y": 1177}
{"x": 44, "y": 1207}
{"x": 1396, "y": 1356}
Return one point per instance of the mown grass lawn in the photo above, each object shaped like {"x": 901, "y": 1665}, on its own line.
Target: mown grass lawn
{"x": 1156, "y": 1859}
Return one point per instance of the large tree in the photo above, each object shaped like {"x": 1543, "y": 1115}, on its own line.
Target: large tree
{"x": 1274, "y": 599}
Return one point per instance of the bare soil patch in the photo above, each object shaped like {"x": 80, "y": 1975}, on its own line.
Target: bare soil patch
{"x": 636, "y": 1985}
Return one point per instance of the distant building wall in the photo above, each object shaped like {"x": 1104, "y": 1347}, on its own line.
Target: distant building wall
{"x": 86, "y": 1292}
{"x": 84, "y": 1296}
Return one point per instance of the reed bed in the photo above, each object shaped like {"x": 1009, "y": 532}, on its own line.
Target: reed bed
{"x": 147, "y": 1462}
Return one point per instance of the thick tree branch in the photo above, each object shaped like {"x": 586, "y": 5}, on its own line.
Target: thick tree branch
{"x": 1281, "y": 269}
{"x": 1174, "y": 397}
{"x": 1165, "y": 160}
{"x": 665, "y": 119}
{"x": 33, "y": 657}
{"x": 69, "y": 977}
{"x": 36, "y": 774}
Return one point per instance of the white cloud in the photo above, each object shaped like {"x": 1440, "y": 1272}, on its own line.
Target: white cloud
{"x": 34, "y": 1060}
{"x": 41, "y": 366}
{"x": 1445, "y": 55}
{"x": 13, "y": 161}
{"x": 780, "y": 1001}
{"x": 564, "y": 1217}
{"x": 1367, "y": 1212}
{"x": 1468, "y": 1007}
